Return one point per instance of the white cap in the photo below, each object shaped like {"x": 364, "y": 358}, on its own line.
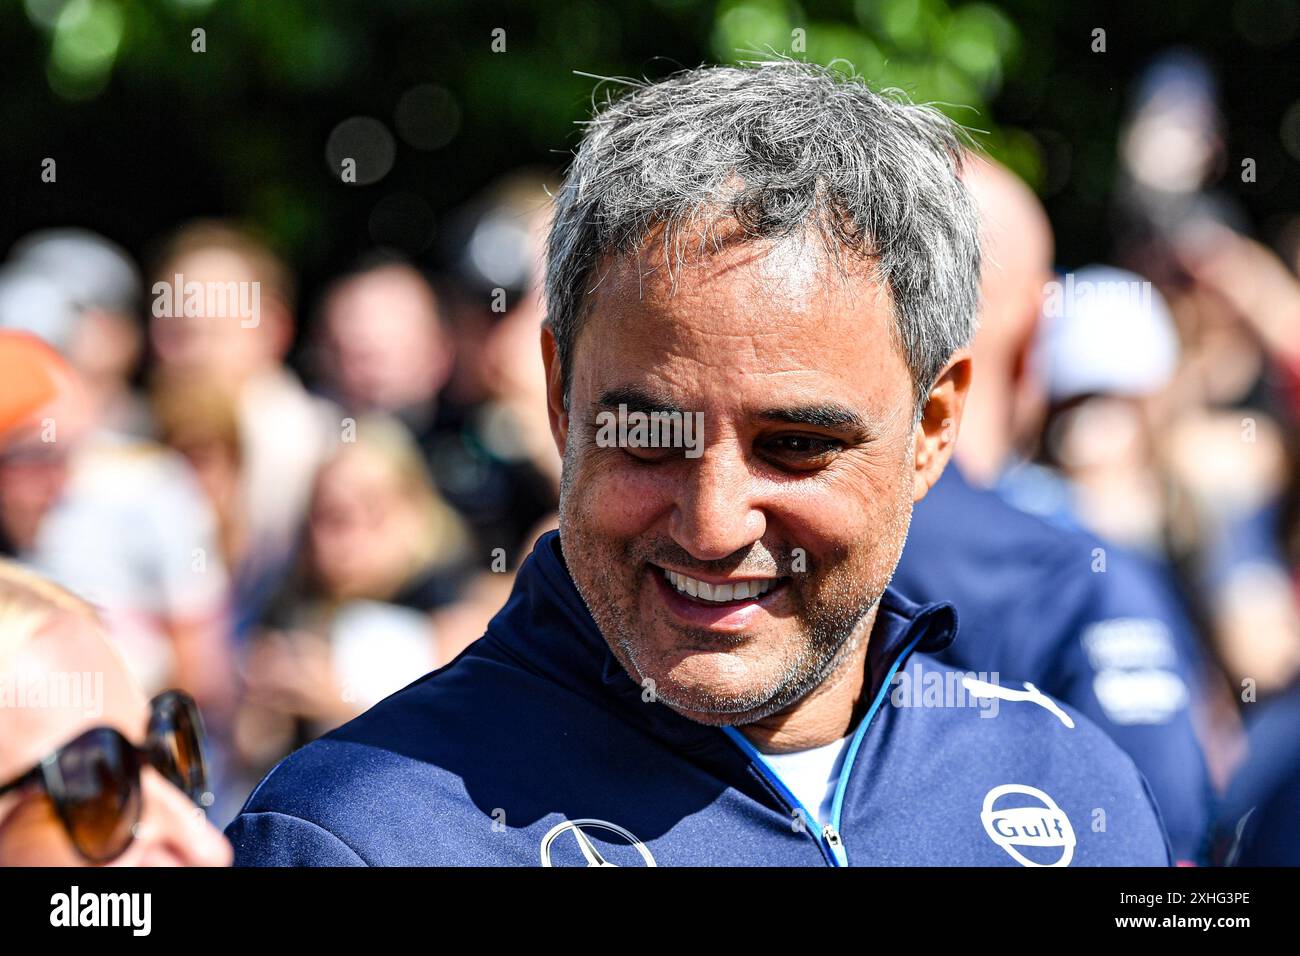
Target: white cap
{"x": 1105, "y": 331}
{"x": 91, "y": 271}
{"x": 33, "y": 302}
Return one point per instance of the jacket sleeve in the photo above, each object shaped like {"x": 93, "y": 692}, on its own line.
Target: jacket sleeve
{"x": 277, "y": 839}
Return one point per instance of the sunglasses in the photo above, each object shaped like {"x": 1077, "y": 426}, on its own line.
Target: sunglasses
{"x": 94, "y": 779}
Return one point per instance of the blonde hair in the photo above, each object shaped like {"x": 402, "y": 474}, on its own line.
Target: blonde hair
{"x": 204, "y": 235}
{"x": 29, "y": 602}
{"x": 189, "y": 413}
{"x": 443, "y": 539}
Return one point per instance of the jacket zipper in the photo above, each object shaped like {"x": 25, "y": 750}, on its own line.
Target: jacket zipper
{"x": 829, "y": 841}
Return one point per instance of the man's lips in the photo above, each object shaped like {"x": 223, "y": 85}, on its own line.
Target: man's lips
{"x": 703, "y": 610}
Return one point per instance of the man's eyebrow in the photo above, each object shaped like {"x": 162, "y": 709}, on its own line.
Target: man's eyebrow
{"x": 636, "y": 400}
{"x": 826, "y": 415}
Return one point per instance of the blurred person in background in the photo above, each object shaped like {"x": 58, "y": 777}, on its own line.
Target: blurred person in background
{"x": 1125, "y": 447}
{"x": 1221, "y": 426}
{"x": 382, "y": 344}
{"x": 285, "y": 431}
{"x": 122, "y": 521}
{"x": 357, "y": 619}
{"x": 1033, "y": 603}
{"x": 1141, "y": 446}
{"x": 81, "y": 293}
{"x": 91, "y": 773}
{"x": 1240, "y": 458}
{"x": 200, "y": 420}
{"x": 1226, "y": 438}
{"x": 133, "y": 813}
{"x": 1107, "y": 349}
{"x": 499, "y": 467}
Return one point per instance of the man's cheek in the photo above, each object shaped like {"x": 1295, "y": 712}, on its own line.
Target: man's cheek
{"x": 823, "y": 531}
{"x": 615, "y": 496}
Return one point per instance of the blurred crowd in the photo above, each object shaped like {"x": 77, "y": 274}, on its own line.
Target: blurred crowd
{"x": 289, "y": 523}
{"x": 293, "y": 508}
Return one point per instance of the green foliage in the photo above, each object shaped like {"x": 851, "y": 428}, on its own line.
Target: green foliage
{"x": 241, "y": 127}
{"x": 954, "y": 56}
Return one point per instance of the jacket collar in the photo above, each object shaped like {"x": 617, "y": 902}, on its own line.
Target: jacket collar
{"x": 545, "y": 627}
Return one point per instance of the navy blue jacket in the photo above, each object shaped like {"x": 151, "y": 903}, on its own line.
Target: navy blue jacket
{"x": 1261, "y": 813}
{"x": 535, "y": 747}
{"x": 1035, "y": 606}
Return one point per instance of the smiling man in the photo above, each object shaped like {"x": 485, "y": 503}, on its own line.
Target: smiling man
{"x": 704, "y": 666}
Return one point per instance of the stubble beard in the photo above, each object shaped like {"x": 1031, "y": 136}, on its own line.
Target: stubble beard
{"x": 830, "y": 634}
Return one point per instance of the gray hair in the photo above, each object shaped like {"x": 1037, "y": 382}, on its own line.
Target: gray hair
{"x": 775, "y": 148}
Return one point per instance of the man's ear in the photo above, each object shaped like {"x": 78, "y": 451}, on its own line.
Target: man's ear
{"x": 559, "y": 415}
{"x": 936, "y": 432}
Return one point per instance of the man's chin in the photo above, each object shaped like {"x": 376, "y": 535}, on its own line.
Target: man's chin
{"x": 710, "y": 687}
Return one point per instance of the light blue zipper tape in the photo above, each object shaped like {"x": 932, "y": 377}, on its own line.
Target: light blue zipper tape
{"x": 837, "y": 805}
{"x": 835, "y": 849}
{"x": 833, "y": 846}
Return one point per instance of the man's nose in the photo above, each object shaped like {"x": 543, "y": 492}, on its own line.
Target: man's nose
{"x": 714, "y": 514}
{"x": 173, "y": 831}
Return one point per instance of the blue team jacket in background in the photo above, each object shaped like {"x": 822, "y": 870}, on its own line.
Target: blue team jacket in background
{"x": 534, "y": 747}
{"x": 1034, "y": 606}
{"x": 1260, "y": 821}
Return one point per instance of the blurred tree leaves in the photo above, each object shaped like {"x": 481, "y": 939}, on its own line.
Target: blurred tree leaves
{"x": 150, "y": 132}
{"x": 951, "y": 55}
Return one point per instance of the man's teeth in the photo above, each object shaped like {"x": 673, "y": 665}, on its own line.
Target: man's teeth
{"x": 704, "y": 591}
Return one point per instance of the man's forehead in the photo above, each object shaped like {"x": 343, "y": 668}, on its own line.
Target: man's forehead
{"x": 768, "y": 314}
{"x": 800, "y": 270}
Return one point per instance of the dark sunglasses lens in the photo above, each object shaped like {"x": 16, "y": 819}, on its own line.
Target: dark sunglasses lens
{"x": 95, "y": 782}
{"x": 176, "y": 744}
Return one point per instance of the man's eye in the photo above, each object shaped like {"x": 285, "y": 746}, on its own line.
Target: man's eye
{"x": 802, "y": 449}
{"x": 651, "y": 455}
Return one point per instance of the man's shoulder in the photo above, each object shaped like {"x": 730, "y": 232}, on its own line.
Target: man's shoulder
{"x": 419, "y": 722}
{"x": 419, "y": 769}
{"x": 983, "y": 740}
{"x": 981, "y": 709}
{"x": 319, "y": 805}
